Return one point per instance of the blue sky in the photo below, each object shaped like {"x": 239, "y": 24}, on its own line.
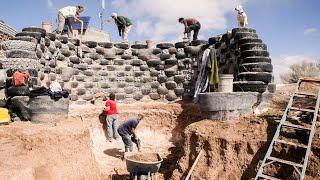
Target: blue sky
{"x": 290, "y": 28}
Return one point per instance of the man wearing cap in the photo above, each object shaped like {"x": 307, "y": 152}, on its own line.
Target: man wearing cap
{"x": 124, "y": 25}
{"x": 64, "y": 13}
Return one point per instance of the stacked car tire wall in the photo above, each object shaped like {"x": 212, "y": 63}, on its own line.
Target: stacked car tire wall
{"x": 243, "y": 54}
{"x": 167, "y": 72}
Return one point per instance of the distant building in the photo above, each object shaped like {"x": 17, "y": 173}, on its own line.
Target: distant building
{"x": 6, "y": 31}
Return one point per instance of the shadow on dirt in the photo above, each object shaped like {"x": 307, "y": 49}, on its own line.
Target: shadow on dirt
{"x": 189, "y": 115}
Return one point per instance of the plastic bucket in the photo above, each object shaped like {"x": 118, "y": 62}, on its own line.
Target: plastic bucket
{"x": 226, "y": 83}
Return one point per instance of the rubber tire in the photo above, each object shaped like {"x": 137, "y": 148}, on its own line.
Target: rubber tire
{"x": 18, "y": 91}
{"x": 62, "y": 39}
{"x": 164, "y": 56}
{"x": 256, "y": 59}
{"x": 249, "y": 40}
{"x": 154, "y": 96}
{"x": 165, "y": 45}
{"x": 105, "y": 44}
{"x": 236, "y": 30}
{"x": 122, "y": 45}
{"x": 153, "y": 62}
{"x": 156, "y": 51}
{"x": 255, "y": 76}
{"x": 90, "y": 44}
{"x": 35, "y": 35}
{"x": 139, "y": 46}
{"x": 171, "y": 61}
{"x": 256, "y": 67}
{"x": 35, "y": 29}
{"x": 253, "y": 46}
{"x": 250, "y": 53}
{"x": 181, "y": 44}
{"x": 16, "y": 53}
{"x": 51, "y": 36}
{"x": 249, "y": 86}
{"x": 241, "y": 35}
{"x": 198, "y": 42}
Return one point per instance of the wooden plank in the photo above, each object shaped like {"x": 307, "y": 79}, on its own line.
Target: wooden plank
{"x": 194, "y": 165}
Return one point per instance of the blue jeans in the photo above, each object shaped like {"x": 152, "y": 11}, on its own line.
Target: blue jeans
{"x": 128, "y": 145}
{"x": 112, "y": 126}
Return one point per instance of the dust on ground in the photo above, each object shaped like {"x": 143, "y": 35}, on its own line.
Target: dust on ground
{"x": 76, "y": 148}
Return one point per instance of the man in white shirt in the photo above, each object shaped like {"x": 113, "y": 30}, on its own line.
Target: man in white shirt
{"x": 69, "y": 11}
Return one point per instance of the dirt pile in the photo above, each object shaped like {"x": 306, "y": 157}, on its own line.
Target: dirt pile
{"x": 233, "y": 150}
{"x": 145, "y": 157}
{"x": 34, "y": 151}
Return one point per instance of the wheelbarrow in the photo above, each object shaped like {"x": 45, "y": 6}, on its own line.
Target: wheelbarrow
{"x": 140, "y": 169}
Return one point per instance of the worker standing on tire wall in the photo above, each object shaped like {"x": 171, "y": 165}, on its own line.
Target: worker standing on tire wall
{"x": 112, "y": 121}
{"x": 124, "y": 25}
{"x": 191, "y": 24}
{"x": 127, "y": 131}
{"x": 64, "y": 13}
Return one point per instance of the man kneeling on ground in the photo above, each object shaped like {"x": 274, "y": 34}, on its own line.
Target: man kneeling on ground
{"x": 127, "y": 131}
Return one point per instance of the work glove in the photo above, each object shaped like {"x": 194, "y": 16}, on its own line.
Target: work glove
{"x": 137, "y": 141}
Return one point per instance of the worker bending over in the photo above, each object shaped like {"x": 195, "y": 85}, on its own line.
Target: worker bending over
{"x": 127, "y": 131}
{"x": 124, "y": 25}
{"x": 191, "y": 24}
{"x": 64, "y": 13}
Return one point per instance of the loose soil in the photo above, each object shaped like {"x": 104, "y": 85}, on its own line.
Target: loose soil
{"x": 76, "y": 148}
{"x": 144, "y": 157}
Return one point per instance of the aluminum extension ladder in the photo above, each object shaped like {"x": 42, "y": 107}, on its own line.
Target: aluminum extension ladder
{"x": 299, "y": 168}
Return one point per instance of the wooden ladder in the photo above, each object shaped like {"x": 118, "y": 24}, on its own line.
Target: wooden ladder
{"x": 300, "y": 168}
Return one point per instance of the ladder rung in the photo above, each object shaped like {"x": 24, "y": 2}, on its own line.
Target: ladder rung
{"x": 285, "y": 162}
{"x": 268, "y": 177}
{"x": 306, "y": 94}
{"x": 296, "y": 126}
{"x": 310, "y": 80}
{"x": 301, "y": 109}
{"x": 291, "y": 143}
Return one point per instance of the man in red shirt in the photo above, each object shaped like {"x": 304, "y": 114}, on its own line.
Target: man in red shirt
{"x": 112, "y": 122}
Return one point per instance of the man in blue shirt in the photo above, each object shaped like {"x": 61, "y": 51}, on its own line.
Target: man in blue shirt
{"x": 127, "y": 130}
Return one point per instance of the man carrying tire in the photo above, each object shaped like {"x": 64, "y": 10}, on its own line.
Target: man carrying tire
{"x": 64, "y": 13}
{"x": 127, "y": 131}
{"x": 124, "y": 25}
{"x": 191, "y": 24}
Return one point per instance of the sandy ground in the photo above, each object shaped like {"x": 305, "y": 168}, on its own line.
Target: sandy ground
{"x": 76, "y": 148}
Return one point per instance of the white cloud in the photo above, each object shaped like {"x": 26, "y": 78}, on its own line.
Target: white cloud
{"x": 158, "y": 20}
{"x": 282, "y": 64}
{"x": 310, "y": 31}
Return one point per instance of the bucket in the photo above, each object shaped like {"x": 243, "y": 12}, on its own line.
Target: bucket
{"x": 46, "y": 25}
{"x": 226, "y": 83}
{"x": 149, "y": 44}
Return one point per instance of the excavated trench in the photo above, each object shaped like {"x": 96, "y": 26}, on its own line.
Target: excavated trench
{"x": 76, "y": 148}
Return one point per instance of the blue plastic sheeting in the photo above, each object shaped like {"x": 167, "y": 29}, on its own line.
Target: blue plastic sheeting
{"x": 77, "y": 25}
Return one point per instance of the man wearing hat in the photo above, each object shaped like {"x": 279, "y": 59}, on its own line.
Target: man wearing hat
{"x": 64, "y": 13}
{"x": 124, "y": 25}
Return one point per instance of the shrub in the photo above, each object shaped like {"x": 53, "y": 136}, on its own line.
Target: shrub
{"x": 299, "y": 70}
